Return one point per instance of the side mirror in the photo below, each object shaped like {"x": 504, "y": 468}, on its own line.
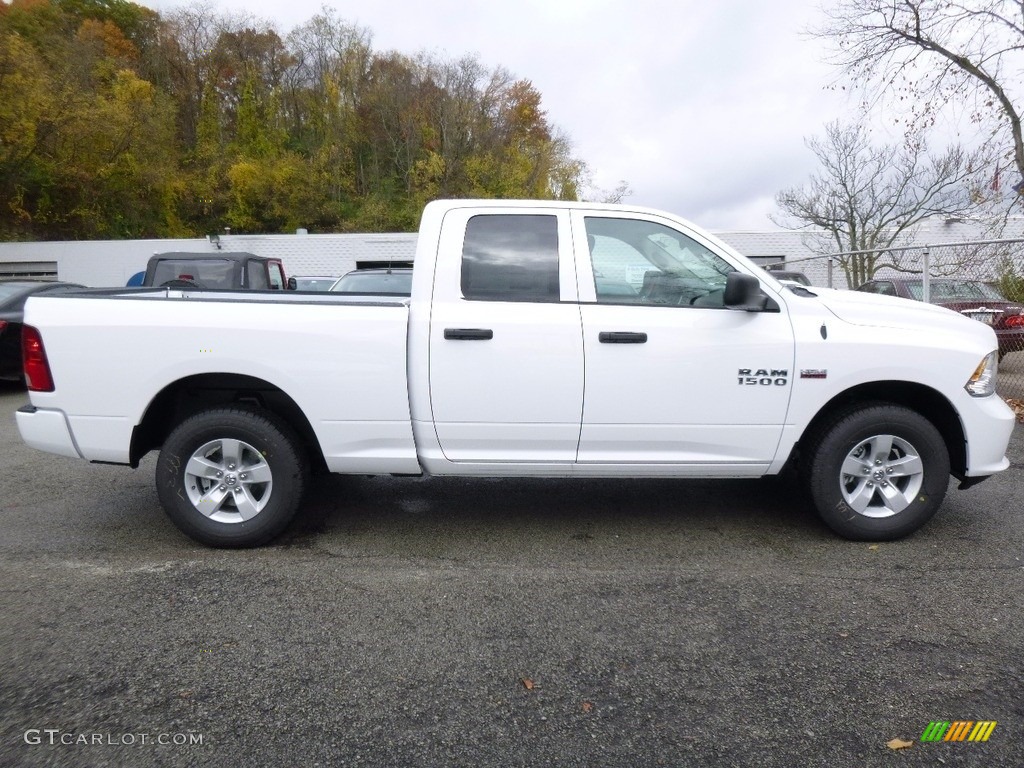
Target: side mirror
{"x": 292, "y": 284}
{"x": 743, "y": 293}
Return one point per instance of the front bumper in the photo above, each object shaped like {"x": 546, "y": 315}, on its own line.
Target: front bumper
{"x": 46, "y": 430}
{"x": 988, "y": 423}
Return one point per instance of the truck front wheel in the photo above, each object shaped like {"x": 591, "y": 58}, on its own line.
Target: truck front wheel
{"x": 231, "y": 477}
{"x": 877, "y": 472}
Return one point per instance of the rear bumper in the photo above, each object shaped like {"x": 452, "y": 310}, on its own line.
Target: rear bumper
{"x": 46, "y": 430}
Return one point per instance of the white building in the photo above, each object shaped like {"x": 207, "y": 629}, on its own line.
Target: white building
{"x": 112, "y": 262}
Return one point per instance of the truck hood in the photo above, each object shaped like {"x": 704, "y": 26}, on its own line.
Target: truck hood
{"x": 873, "y": 310}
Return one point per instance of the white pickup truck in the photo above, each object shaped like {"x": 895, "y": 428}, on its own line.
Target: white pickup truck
{"x": 541, "y": 339}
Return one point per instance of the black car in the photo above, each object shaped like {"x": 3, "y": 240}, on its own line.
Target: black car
{"x": 13, "y": 294}
{"x": 218, "y": 271}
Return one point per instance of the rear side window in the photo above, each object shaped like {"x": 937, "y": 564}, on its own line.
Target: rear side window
{"x": 510, "y": 257}
{"x": 257, "y": 276}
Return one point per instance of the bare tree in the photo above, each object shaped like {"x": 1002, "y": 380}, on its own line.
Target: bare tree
{"x": 869, "y": 198}
{"x": 926, "y": 54}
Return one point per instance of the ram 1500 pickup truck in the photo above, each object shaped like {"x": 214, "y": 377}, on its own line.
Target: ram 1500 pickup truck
{"x": 542, "y": 339}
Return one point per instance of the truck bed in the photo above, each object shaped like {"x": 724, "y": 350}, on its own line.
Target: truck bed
{"x": 340, "y": 359}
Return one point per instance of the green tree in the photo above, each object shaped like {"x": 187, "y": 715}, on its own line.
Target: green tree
{"x": 118, "y": 122}
{"x": 94, "y": 153}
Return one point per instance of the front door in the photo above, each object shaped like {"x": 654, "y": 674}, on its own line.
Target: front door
{"x": 673, "y": 377}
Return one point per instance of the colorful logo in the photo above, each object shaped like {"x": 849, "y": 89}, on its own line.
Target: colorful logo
{"x": 959, "y": 730}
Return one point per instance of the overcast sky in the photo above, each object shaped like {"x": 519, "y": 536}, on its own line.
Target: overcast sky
{"x": 701, "y": 106}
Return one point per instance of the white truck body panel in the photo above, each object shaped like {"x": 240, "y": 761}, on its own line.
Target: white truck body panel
{"x": 343, "y": 363}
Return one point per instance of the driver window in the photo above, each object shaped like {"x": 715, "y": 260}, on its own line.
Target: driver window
{"x": 276, "y": 276}
{"x": 641, "y": 262}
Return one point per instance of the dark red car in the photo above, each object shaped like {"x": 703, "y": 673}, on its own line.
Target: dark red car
{"x": 974, "y": 298}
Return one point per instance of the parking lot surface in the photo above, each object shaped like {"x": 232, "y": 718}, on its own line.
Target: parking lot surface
{"x": 436, "y": 622}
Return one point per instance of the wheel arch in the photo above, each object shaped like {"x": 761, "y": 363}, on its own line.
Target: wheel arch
{"x": 929, "y": 403}
{"x": 192, "y": 394}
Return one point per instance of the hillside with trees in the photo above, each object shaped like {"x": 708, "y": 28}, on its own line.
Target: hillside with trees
{"x": 117, "y": 122}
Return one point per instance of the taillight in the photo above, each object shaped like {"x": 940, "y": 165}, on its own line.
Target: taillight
{"x": 33, "y": 355}
{"x": 3, "y": 325}
{"x": 1014, "y": 321}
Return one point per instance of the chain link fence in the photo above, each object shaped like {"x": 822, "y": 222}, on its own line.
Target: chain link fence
{"x": 983, "y": 279}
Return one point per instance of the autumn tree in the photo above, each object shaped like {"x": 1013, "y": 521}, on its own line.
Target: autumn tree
{"x": 92, "y": 150}
{"x": 867, "y": 197}
{"x": 118, "y": 122}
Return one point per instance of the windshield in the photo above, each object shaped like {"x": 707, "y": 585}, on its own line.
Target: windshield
{"x": 206, "y": 273}
{"x": 314, "y": 283}
{"x": 955, "y": 290}
{"x": 396, "y": 283}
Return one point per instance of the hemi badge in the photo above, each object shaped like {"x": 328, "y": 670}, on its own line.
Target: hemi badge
{"x": 813, "y": 374}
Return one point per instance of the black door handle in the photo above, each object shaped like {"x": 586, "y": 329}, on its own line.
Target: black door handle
{"x": 468, "y": 334}
{"x": 621, "y": 337}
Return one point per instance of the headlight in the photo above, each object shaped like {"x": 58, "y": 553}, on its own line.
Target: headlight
{"x": 983, "y": 382}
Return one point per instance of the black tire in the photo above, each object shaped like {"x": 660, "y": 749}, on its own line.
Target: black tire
{"x": 871, "y": 452}
{"x": 261, "y": 482}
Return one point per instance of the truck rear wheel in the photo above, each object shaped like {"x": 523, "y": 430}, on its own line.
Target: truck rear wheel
{"x": 877, "y": 472}
{"x": 231, "y": 477}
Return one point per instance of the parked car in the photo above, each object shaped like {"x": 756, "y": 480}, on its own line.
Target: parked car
{"x": 13, "y": 294}
{"x": 311, "y": 283}
{"x": 392, "y": 282}
{"x": 975, "y": 298}
{"x": 219, "y": 271}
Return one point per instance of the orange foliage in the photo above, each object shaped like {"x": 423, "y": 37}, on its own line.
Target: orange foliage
{"x": 109, "y": 37}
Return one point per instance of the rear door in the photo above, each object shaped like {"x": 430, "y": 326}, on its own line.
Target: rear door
{"x": 506, "y": 346}
{"x": 673, "y": 377}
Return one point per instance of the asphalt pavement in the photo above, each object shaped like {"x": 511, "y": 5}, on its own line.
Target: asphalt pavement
{"x": 441, "y": 622}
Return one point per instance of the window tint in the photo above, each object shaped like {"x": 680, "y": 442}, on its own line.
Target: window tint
{"x": 276, "y": 276}
{"x": 641, "y": 262}
{"x": 886, "y": 289}
{"x": 954, "y": 290}
{"x": 395, "y": 283}
{"x": 257, "y": 276}
{"x": 509, "y": 257}
{"x": 206, "y": 273}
